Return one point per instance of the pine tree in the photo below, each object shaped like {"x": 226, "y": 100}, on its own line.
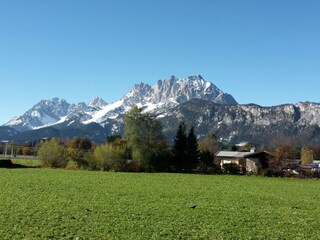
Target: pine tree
{"x": 192, "y": 151}
{"x": 180, "y": 147}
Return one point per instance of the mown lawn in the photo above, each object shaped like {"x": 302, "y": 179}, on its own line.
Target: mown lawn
{"x": 61, "y": 204}
{"x": 18, "y": 162}
{"x": 27, "y": 162}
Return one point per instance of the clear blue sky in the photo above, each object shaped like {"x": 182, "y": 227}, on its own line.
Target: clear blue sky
{"x": 261, "y": 51}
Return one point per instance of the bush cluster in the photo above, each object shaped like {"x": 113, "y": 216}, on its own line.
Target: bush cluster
{"x": 143, "y": 148}
{"x": 106, "y": 158}
{"x": 52, "y": 154}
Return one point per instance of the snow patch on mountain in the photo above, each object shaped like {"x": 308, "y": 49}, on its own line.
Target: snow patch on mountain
{"x": 156, "y": 99}
{"x": 97, "y": 102}
{"x": 166, "y": 94}
{"x": 99, "y": 116}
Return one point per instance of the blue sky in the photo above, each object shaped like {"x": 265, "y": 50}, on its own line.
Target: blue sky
{"x": 261, "y": 51}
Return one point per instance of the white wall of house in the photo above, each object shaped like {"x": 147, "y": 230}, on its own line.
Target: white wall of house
{"x": 252, "y": 165}
{"x": 225, "y": 161}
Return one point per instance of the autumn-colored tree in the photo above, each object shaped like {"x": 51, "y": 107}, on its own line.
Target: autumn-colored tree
{"x": 116, "y": 141}
{"x": 284, "y": 155}
{"x": 26, "y": 151}
{"x": 208, "y": 147}
{"x": 77, "y": 149}
{"x": 306, "y": 155}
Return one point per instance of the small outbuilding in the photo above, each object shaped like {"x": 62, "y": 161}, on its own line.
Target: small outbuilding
{"x": 248, "y": 162}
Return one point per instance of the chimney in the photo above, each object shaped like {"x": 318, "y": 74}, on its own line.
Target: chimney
{"x": 253, "y": 150}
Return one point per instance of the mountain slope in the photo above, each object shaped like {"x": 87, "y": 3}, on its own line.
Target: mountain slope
{"x": 156, "y": 99}
{"x": 252, "y": 123}
{"x": 159, "y": 98}
{"x": 197, "y": 102}
{"x": 7, "y": 133}
{"x": 92, "y": 131}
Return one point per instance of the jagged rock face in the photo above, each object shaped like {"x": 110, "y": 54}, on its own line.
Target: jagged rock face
{"x": 43, "y": 113}
{"x": 309, "y": 113}
{"x": 193, "y": 100}
{"x": 178, "y": 90}
{"x": 50, "y": 112}
{"x": 194, "y": 87}
{"x": 97, "y": 102}
{"x": 156, "y": 99}
{"x": 252, "y": 123}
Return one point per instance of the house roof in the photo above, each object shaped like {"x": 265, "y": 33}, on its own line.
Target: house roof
{"x": 232, "y": 154}
{"x": 252, "y": 154}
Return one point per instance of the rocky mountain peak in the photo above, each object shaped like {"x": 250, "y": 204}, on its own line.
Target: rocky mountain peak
{"x": 53, "y": 108}
{"x": 185, "y": 89}
{"x": 195, "y": 77}
{"x": 43, "y": 113}
{"x": 158, "y": 99}
{"x": 198, "y": 102}
{"x": 97, "y": 102}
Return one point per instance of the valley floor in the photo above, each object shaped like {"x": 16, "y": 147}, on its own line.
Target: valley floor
{"x": 61, "y": 204}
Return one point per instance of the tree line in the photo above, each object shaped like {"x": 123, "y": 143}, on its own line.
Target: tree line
{"x": 143, "y": 147}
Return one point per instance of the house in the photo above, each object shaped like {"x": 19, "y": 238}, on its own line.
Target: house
{"x": 317, "y": 163}
{"x": 248, "y": 162}
{"x": 309, "y": 169}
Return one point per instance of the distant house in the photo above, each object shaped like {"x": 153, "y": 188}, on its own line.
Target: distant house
{"x": 309, "y": 168}
{"x": 248, "y": 162}
{"x": 317, "y": 163}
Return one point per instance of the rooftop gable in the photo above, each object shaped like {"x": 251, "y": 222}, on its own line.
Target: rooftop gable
{"x": 232, "y": 154}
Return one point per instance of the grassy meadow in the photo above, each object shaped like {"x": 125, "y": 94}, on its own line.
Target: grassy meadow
{"x": 26, "y": 162}
{"x": 62, "y": 204}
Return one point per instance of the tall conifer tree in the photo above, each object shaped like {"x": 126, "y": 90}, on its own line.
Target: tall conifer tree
{"x": 192, "y": 151}
{"x": 180, "y": 147}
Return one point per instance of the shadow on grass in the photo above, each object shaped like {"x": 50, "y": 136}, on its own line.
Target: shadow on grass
{"x": 7, "y": 163}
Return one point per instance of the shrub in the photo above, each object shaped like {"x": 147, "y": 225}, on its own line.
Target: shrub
{"x": 107, "y": 157}
{"x": 270, "y": 172}
{"x": 77, "y": 156}
{"x": 77, "y": 149}
{"x": 133, "y": 166}
{"x": 52, "y": 154}
{"x": 90, "y": 161}
{"x": 26, "y": 151}
{"x": 231, "y": 168}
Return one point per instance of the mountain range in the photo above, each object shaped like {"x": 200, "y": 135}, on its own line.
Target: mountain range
{"x": 194, "y": 100}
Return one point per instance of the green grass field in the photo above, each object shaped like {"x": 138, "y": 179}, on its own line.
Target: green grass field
{"x": 60, "y": 204}
{"x": 27, "y": 162}
{"x": 24, "y": 162}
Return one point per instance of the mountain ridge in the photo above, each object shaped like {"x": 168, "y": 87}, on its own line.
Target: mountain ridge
{"x": 157, "y": 98}
{"x": 230, "y": 123}
{"x": 197, "y": 102}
